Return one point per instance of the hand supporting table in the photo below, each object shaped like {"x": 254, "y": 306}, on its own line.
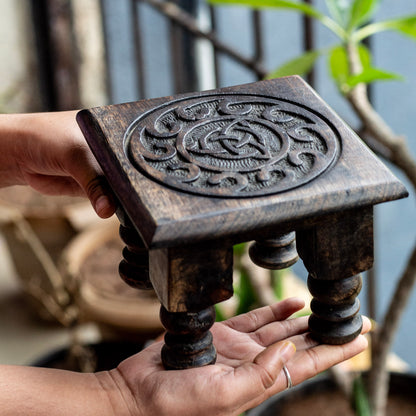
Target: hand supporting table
{"x": 197, "y": 173}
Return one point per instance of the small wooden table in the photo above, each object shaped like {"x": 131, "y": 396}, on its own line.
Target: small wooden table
{"x": 197, "y": 173}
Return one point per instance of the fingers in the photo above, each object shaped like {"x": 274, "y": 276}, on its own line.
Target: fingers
{"x": 272, "y": 360}
{"x": 366, "y": 325}
{"x": 53, "y": 185}
{"x": 295, "y": 330}
{"x": 82, "y": 166}
{"x": 304, "y": 364}
{"x": 311, "y": 361}
{"x": 100, "y": 197}
{"x": 258, "y": 318}
{"x": 259, "y": 379}
{"x": 280, "y": 330}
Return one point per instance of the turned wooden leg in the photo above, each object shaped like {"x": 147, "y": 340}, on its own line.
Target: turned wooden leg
{"x": 134, "y": 268}
{"x": 189, "y": 281}
{"x": 334, "y": 252}
{"x": 188, "y": 341}
{"x": 275, "y": 253}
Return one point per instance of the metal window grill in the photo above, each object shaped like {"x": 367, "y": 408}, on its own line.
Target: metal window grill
{"x": 193, "y": 28}
{"x": 154, "y": 47}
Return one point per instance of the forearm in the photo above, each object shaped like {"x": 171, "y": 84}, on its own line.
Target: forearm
{"x": 24, "y": 137}
{"x": 31, "y": 391}
{"x": 14, "y": 130}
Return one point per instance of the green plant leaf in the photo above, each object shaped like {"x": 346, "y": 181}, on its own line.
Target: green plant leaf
{"x": 219, "y": 314}
{"x": 289, "y": 5}
{"x": 239, "y": 249}
{"x": 339, "y": 67}
{"x": 404, "y": 25}
{"x": 286, "y": 4}
{"x": 245, "y": 293}
{"x": 365, "y": 56}
{"x": 300, "y": 65}
{"x": 361, "y": 12}
{"x": 351, "y": 14}
{"x": 360, "y": 398}
{"x": 339, "y": 10}
{"x": 369, "y": 75}
{"x": 278, "y": 283}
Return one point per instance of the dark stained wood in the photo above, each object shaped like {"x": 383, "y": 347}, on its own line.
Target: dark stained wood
{"x": 188, "y": 341}
{"x": 339, "y": 246}
{"x": 334, "y": 252}
{"x": 275, "y": 253}
{"x": 166, "y": 216}
{"x": 134, "y": 268}
{"x": 197, "y": 173}
{"x": 192, "y": 278}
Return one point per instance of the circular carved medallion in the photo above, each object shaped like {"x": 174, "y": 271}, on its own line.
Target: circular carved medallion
{"x": 231, "y": 145}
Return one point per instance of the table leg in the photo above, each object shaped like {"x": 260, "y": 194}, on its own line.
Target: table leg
{"x": 334, "y": 252}
{"x": 188, "y": 282}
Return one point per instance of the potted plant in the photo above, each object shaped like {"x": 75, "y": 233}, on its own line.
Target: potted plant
{"x": 352, "y": 70}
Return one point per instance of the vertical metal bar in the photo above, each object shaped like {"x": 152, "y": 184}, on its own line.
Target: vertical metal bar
{"x": 214, "y": 28}
{"x": 108, "y": 82}
{"x": 56, "y": 51}
{"x": 258, "y": 55}
{"x": 42, "y": 43}
{"x": 62, "y": 48}
{"x": 308, "y": 41}
{"x": 138, "y": 49}
{"x": 370, "y": 90}
{"x": 183, "y": 52}
{"x": 174, "y": 55}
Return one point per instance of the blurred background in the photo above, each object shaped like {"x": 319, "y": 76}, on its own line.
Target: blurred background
{"x": 70, "y": 54}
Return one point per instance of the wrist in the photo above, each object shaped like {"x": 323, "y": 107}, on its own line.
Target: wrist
{"x": 14, "y": 133}
{"x": 117, "y": 393}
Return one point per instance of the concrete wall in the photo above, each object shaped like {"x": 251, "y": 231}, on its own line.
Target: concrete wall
{"x": 16, "y": 58}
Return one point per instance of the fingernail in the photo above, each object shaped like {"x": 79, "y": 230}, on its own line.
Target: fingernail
{"x": 287, "y": 351}
{"x": 103, "y": 206}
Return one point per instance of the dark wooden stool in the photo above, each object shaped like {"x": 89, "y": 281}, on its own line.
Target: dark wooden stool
{"x": 197, "y": 173}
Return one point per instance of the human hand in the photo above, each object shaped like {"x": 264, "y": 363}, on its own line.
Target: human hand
{"x": 252, "y": 349}
{"x": 48, "y": 152}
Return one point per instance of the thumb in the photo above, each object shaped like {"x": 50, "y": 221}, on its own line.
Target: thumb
{"x": 101, "y": 197}
{"x": 256, "y": 380}
{"x": 272, "y": 360}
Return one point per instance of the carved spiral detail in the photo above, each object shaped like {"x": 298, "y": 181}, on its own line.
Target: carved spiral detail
{"x": 231, "y": 145}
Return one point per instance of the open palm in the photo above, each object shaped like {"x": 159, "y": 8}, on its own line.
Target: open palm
{"x": 252, "y": 349}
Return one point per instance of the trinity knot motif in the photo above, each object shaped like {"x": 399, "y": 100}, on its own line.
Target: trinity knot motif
{"x": 232, "y": 145}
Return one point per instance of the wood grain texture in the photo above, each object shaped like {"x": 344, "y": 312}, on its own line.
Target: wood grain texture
{"x": 167, "y": 217}
{"x": 340, "y": 246}
{"x": 197, "y": 173}
{"x": 275, "y": 253}
{"x": 334, "y": 252}
{"x": 188, "y": 341}
{"x": 192, "y": 278}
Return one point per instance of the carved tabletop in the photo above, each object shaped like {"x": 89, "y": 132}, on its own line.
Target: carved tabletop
{"x": 197, "y": 173}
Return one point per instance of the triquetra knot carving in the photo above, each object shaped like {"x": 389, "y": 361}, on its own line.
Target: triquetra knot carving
{"x": 232, "y": 145}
